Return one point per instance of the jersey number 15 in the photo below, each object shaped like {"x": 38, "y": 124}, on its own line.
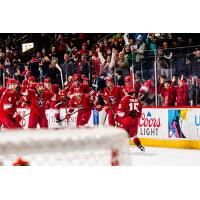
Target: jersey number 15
{"x": 133, "y": 106}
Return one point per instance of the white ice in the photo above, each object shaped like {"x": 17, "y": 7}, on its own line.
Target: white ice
{"x": 165, "y": 156}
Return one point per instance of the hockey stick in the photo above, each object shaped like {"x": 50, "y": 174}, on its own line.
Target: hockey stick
{"x": 104, "y": 121}
{"x": 69, "y": 117}
{"x": 26, "y": 115}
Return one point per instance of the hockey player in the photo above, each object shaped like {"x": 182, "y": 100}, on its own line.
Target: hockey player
{"x": 137, "y": 85}
{"x": 31, "y": 82}
{"x": 38, "y": 101}
{"x": 112, "y": 96}
{"x": 128, "y": 115}
{"x": 87, "y": 89}
{"x": 8, "y": 106}
{"x": 68, "y": 83}
{"x": 76, "y": 84}
{"x": 84, "y": 104}
{"x": 47, "y": 85}
{"x": 147, "y": 93}
{"x": 63, "y": 97}
{"x": 55, "y": 102}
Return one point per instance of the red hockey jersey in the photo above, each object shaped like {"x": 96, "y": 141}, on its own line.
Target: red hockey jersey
{"x": 128, "y": 105}
{"x": 8, "y": 102}
{"x": 38, "y": 101}
{"x": 83, "y": 105}
{"x": 112, "y": 97}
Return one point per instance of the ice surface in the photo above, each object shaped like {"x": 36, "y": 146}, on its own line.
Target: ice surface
{"x": 165, "y": 156}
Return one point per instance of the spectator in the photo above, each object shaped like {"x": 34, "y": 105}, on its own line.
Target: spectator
{"x": 160, "y": 62}
{"x": 83, "y": 66}
{"x": 123, "y": 64}
{"x": 139, "y": 49}
{"x": 166, "y": 68}
{"x": 45, "y": 66}
{"x": 162, "y": 79}
{"x": 62, "y": 47}
{"x": 107, "y": 48}
{"x": 168, "y": 92}
{"x": 26, "y": 73}
{"x": 194, "y": 92}
{"x": 34, "y": 66}
{"x": 53, "y": 55}
{"x": 44, "y": 53}
{"x": 83, "y": 51}
{"x": 138, "y": 77}
{"x": 97, "y": 83}
{"x": 68, "y": 67}
{"x": 195, "y": 63}
{"x": 96, "y": 63}
{"x": 179, "y": 57}
{"x": 18, "y": 76}
{"x": 54, "y": 73}
{"x": 152, "y": 44}
{"x": 120, "y": 78}
{"x": 130, "y": 55}
{"x": 182, "y": 97}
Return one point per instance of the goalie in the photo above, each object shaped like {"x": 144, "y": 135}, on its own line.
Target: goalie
{"x": 128, "y": 115}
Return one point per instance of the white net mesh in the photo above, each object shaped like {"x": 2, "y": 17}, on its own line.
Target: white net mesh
{"x": 95, "y": 146}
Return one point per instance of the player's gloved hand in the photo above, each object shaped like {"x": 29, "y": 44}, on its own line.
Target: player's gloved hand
{"x": 17, "y": 117}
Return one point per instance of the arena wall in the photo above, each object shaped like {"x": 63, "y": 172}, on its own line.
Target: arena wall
{"x": 174, "y": 127}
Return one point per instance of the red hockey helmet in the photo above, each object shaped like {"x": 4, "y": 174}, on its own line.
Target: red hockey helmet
{"x": 84, "y": 44}
{"x": 31, "y": 78}
{"x": 129, "y": 89}
{"x": 109, "y": 80}
{"x": 127, "y": 79}
{"x": 75, "y": 77}
{"x": 47, "y": 80}
{"x": 11, "y": 81}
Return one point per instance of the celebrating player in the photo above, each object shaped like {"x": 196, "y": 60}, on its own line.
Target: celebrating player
{"x": 38, "y": 101}
{"x": 84, "y": 104}
{"x": 112, "y": 96}
{"x": 8, "y": 106}
{"x": 128, "y": 115}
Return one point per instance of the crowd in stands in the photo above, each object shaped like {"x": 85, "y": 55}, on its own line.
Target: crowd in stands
{"x": 97, "y": 56}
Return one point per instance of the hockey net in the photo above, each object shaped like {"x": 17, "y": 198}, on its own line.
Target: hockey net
{"x": 71, "y": 147}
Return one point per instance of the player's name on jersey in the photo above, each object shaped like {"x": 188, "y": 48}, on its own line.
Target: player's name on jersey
{"x": 133, "y": 100}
